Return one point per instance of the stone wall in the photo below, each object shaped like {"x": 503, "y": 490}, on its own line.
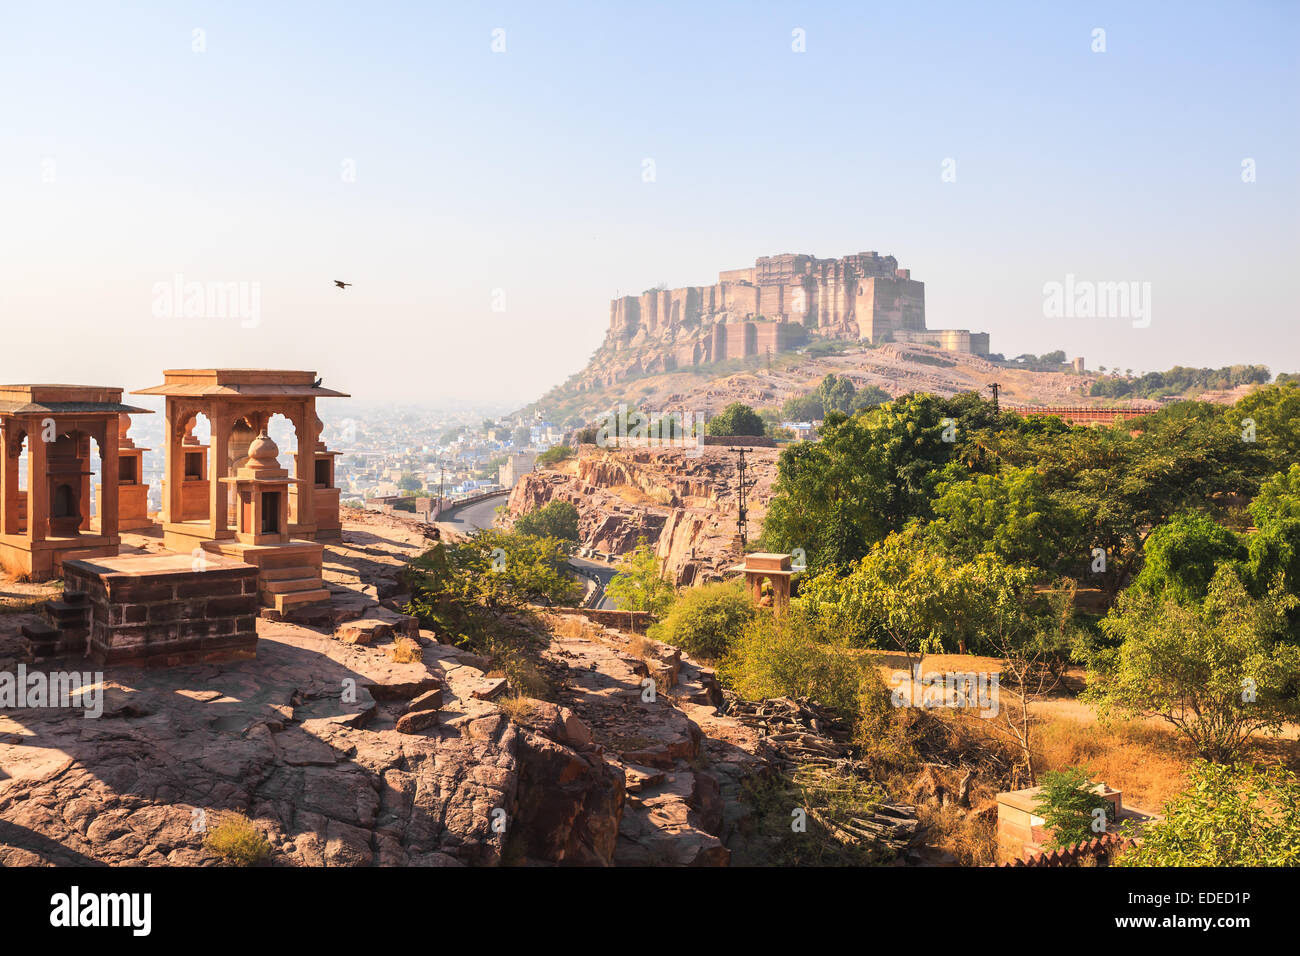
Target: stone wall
{"x": 166, "y": 610}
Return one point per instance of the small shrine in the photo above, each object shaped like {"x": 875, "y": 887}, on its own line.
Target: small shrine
{"x": 262, "y": 493}
{"x": 49, "y": 519}
{"x": 774, "y": 569}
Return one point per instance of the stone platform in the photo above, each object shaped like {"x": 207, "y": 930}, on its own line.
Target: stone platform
{"x": 167, "y": 609}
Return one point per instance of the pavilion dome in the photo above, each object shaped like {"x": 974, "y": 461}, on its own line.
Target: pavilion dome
{"x": 263, "y": 453}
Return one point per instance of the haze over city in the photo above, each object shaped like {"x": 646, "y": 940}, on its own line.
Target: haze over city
{"x": 487, "y": 204}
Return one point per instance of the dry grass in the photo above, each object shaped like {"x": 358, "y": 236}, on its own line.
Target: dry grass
{"x": 633, "y": 495}
{"x": 405, "y": 651}
{"x": 971, "y": 837}
{"x": 517, "y": 707}
{"x": 237, "y": 841}
{"x": 643, "y": 648}
{"x": 571, "y": 627}
{"x": 1145, "y": 762}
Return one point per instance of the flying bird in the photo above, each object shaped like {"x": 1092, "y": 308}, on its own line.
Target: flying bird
{"x": 341, "y": 284}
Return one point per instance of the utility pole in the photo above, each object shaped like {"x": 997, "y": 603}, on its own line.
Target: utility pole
{"x": 742, "y": 512}
{"x": 995, "y": 386}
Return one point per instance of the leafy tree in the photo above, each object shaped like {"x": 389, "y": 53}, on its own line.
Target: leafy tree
{"x": 1279, "y": 497}
{"x": 917, "y": 601}
{"x": 556, "y": 519}
{"x": 408, "y": 482}
{"x": 1214, "y": 670}
{"x": 639, "y": 584}
{"x": 736, "y": 419}
{"x": 1067, "y": 803}
{"x": 521, "y": 436}
{"x": 703, "y": 621}
{"x": 1126, "y": 480}
{"x": 1010, "y": 514}
{"x": 867, "y": 475}
{"x": 1182, "y": 556}
{"x": 1227, "y": 816}
{"x": 1275, "y": 410}
{"x": 805, "y": 408}
{"x": 837, "y": 394}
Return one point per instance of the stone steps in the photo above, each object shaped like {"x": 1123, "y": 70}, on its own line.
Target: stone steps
{"x": 282, "y": 602}
{"x": 290, "y": 585}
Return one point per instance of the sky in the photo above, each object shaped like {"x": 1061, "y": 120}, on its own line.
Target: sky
{"x": 489, "y": 175}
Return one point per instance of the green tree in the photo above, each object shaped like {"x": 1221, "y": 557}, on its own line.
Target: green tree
{"x": 804, "y": 408}
{"x": 1214, "y": 670}
{"x": 917, "y": 601}
{"x": 1279, "y": 497}
{"x": 837, "y": 394}
{"x": 866, "y": 476}
{"x": 1227, "y": 816}
{"x": 704, "y": 620}
{"x": 1068, "y": 803}
{"x": 1010, "y": 514}
{"x": 1275, "y": 410}
{"x": 556, "y": 519}
{"x": 736, "y": 419}
{"x": 1182, "y": 556}
{"x": 639, "y": 584}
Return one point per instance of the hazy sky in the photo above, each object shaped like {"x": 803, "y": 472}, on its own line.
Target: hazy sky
{"x": 386, "y": 144}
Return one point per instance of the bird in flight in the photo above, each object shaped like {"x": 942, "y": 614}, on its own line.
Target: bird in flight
{"x": 341, "y": 284}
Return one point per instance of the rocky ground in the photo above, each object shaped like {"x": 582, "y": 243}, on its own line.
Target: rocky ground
{"x": 344, "y": 752}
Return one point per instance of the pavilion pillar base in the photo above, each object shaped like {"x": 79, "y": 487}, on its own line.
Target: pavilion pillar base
{"x": 288, "y": 575}
{"x": 43, "y": 560}
{"x": 183, "y": 537}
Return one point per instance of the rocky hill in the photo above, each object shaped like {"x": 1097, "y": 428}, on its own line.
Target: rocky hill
{"x": 362, "y": 740}
{"x": 894, "y": 367}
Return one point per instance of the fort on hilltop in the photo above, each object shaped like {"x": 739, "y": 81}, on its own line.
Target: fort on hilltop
{"x": 777, "y": 305}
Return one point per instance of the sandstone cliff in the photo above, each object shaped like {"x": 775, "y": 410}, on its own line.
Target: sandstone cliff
{"x": 682, "y": 502}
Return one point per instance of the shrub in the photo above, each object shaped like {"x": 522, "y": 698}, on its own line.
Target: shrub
{"x": 1067, "y": 802}
{"x": 237, "y": 841}
{"x": 1227, "y": 816}
{"x": 782, "y": 656}
{"x": 639, "y": 584}
{"x": 704, "y": 620}
{"x": 553, "y": 456}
